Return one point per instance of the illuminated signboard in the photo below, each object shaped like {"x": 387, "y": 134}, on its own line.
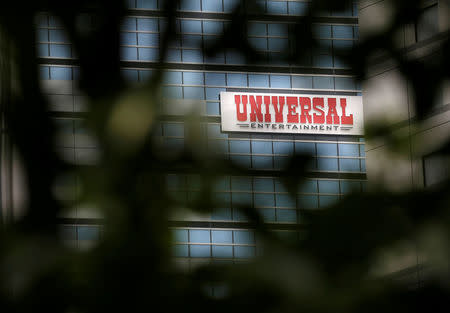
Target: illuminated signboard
{"x": 292, "y": 114}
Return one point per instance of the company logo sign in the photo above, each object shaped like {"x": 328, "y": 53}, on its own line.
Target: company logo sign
{"x": 294, "y": 114}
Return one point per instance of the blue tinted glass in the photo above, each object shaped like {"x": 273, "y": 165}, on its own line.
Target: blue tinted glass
{"x": 230, "y": 5}
{"x": 362, "y": 151}
{"x": 173, "y": 92}
{"x": 277, "y": 81}
{"x": 192, "y": 56}
{"x": 238, "y": 215}
{"x": 321, "y": 82}
{"x": 212, "y": 5}
{"x": 348, "y": 186}
{"x": 128, "y": 23}
{"x": 322, "y": 31}
{"x": 302, "y": 82}
{"x": 131, "y": 4}
{"x": 190, "y": 26}
{"x": 342, "y": 44}
{"x": 218, "y": 58}
{"x": 60, "y": 73}
{"x": 237, "y": 80}
{"x": 346, "y": 149}
{"x": 258, "y": 80}
{"x": 262, "y": 147}
{"x": 181, "y": 251}
{"x": 327, "y": 164}
{"x": 60, "y": 51}
{"x": 241, "y": 199}
{"x": 180, "y": 235}
{"x": 279, "y": 186}
{"x": 191, "y": 41}
{"x": 130, "y": 75}
{"x": 148, "y": 54}
{"x": 212, "y": 27}
{"x": 308, "y": 186}
{"x": 263, "y": 184}
{"x": 364, "y": 186}
{"x": 328, "y": 186}
{"x": 263, "y": 200}
{"x": 363, "y": 165}
{"x": 305, "y": 148}
{"x": 145, "y": 39}
{"x": 323, "y": 61}
{"x": 195, "y": 93}
{"x": 127, "y": 53}
{"x": 239, "y": 146}
{"x": 199, "y": 236}
{"x": 262, "y": 162}
{"x": 42, "y": 35}
{"x": 171, "y": 77}
{"x": 287, "y": 216}
{"x": 221, "y": 214}
{"x": 223, "y": 198}
{"x": 128, "y": 38}
{"x": 283, "y": 147}
{"x": 222, "y": 251}
{"x": 307, "y": 202}
{"x": 44, "y": 72}
{"x": 173, "y": 129}
{"x": 173, "y": 55}
{"x": 268, "y": 215}
{"x": 213, "y": 93}
{"x": 241, "y": 183}
{"x": 258, "y": 43}
{"x": 198, "y": 251}
{"x": 147, "y": 24}
{"x": 277, "y": 44}
{"x": 42, "y": 50}
{"x": 222, "y": 183}
{"x": 88, "y": 232}
{"x": 356, "y": 32}
{"x": 243, "y": 252}
{"x": 342, "y": 31}
{"x": 277, "y": 29}
{"x": 147, "y": 4}
{"x": 243, "y": 161}
{"x": 327, "y": 200}
{"x": 58, "y": 35}
{"x": 349, "y": 165}
{"x": 298, "y": 8}
{"x": 277, "y": 7}
{"x": 215, "y": 79}
{"x": 222, "y": 236}
{"x": 345, "y": 83}
{"x": 326, "y": 149}
{"x": 215, "y": 132}
{"x": 257, "y": 29}
{"x": 234, "y": 57}
{"x": 285, "y": 201}
{"x": 243, "y": 237}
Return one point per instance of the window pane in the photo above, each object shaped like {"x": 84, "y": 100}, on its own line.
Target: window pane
{"x": 327, "y": 164}
{"x": 328, "y": 186}
{"x": 60, "y": 73}
{"x": 326, "y": 149}
{"x": 190, "y": 5}
{"x": 287, "y": 216}
{"x": 237, "y": 80}
{"x": 199, "y": 236}
{"x": 212, "y": 5}
{"x": 239, "y": 146}
{"x": 262, "y": 147}
{"x": 263, "y": 184}
{"x": 215, "y": 79}
{"x": 198, "y": 251}
{"x": 280, "y": 81}
{"x": 222, "y": 236}
{"x": 222, "y": 251}
{"x": 258, "y": 80}
{"x": 349, "y": 165}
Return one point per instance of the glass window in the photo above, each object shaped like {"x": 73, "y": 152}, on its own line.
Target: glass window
{"x": 88, "y": 232}
{"x": 222, "y": 236}
{"x": 44, "y": 72}
{"x": 127, "y": 53}
{"x": 221, "y": 214}
{"x": 60, "y": 73}
{"x": 212, "y": 5}
{"x": 145, "y": 39}
{"x": 258, "y": 43}
{"x": 147, "y": 4}
{"x": 345, "y": 83}
{"x": 128, "y": 39}
{"x": 200, "y": 251}
{"x": 213, "y": 93}
{"x": 130, "y": 75}
{"x": 239, "y": 199}
{"x": 180, "y": 235}
{"x": 328, "y": 200}
{"x": 285, "y": 200}
{"x": 243, "y": 161}
{"x": 323, "y": 61}
{"x": 275, "y": 29}
{"x": 342, "y": 32}
{"x": 348, "y": 186}
{"x": 230, "y": 5}
{"x": 283, "y": 148}
{"x": 234, "y": 57}
{"x": 262, "y": 162}
{"x": 173, "y": 55}
{"x": 326, "y": 149}
{"x": 58, "y": 35}
{"x": 263, "y": 184}
{"x": 257, "y": 29}
{"x": 215, "y": 79}
{"x": 302, "y": 82}
{"x": 191, "y": 41}
{"x": 191, "y": 26}
{"x": 243, "y": 237}
{"x": 258, "y": 80}
{"x": 60, "y": 51}
{"x": 181, "y": 251}
{"x": 328, "y": 186}
{"x": 193, "y": 78}
{"x": 322, "y": 31}
{"x": 199, "y": 236}
{"x": 347, "y": 149}
{"x": 241, "y": 183}
{"x": 244, "y": 252}
{"x": 147, "y": 24}
{"x": 262, "y": 147}
{"x": 43, "y": 50}
{"x": 172, "y": 77}
{"x": 323, "y": 82}
{"x": 305, "y": 148}
{"x": 190, "y": 5}
{"x": 173, "y": 129}
{"x": 212, "y": 27}
{"x": 192, "y": 56}
{"x": 278, "y": 81}
{"x": 128, "y": 23}
{"x": 263, "y": 200}
{"x": 222, "y": 251}
{"x": 237, "y": 80}
{"x": 277, "y": 44}
{"x": 297, "y": 8}
{"x": 349, "y": 165}
{"x": 277, "y": 7}
{"x": 268, "y": 215}
{"x": 239, "y": 146}
{"x": 173, "y": 92}
{"x": 308, "y": 202}
{"x": 194, "y": 93}
{"x": 326, "y": 164}
{"x": 308, "y": 186}
{"x": 287, "y": 216}
{"x": 148, "y": 54}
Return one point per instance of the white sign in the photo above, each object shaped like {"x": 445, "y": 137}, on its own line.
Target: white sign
{"x": 291, "y": 113}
